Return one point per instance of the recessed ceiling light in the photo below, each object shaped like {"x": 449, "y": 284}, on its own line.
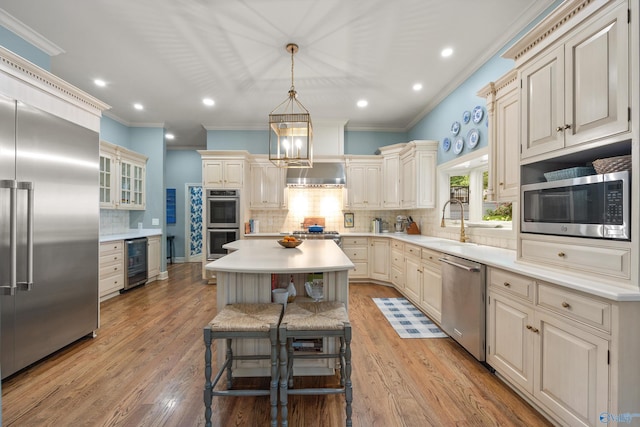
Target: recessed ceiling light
{"x": 100, "y": 82}
{"x": 169, "y": 136}
{"x": 138, "y": 106}
{"x": 417, "y": 87}
{"x": 208, "y": 102}
{"x": 362, "y": 103}
{"x": 446, "y": 52}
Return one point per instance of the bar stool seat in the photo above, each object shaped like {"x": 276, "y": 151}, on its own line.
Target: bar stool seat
{"x": 315, "y": 320}
{"x": 245, "y": 320}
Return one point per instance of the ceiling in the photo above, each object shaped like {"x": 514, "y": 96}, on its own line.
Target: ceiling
{"x": 170, "y": 54}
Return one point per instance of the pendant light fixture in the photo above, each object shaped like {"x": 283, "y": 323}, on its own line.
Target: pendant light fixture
{"x": 290, "y": 129}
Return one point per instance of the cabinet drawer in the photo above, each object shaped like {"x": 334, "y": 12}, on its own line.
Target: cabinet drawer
{"x": 431, "y": 257}
{"x": 397, "y": 277}
{"x": 512, "y": 283}
{"x": 354, "y": 241}
{"x": 397, "y": 259}
{"x": 111, "y": 258}
{"x": 397, "y": 245}
{"x": 412, "y": 250}
{"x": 580, "y": 307}
{"x": 111, "y": 269}
{"x": 111, "y": 247}
{"x": 357, "y": 253}
{"x": 111, "y": 284}
{"x": 592, "y": 259}
{"x": 361, "y": 270}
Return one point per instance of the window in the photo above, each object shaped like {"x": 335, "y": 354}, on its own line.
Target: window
{"x": 466, "y": 180}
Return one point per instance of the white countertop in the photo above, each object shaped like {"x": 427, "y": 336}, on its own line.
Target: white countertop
{"x": 506, "y": 260}
{"x": 134, "y": 233}
{"x": 267, "y": 256}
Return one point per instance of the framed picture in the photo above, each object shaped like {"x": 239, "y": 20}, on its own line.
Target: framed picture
{"x": 348, "y": 220}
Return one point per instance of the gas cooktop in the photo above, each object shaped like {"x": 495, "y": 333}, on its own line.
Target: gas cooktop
{"x": 315, "y": 233}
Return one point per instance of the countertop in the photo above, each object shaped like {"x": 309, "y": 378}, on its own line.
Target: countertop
{"x": 131, "y": 234}
{"x": 267, "y": 256}
{"x": 500, "y": 258}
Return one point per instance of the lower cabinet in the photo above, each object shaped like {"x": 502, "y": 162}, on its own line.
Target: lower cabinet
{"x": 357, "y": 249}
{"x": 111, "y": 276}
{"x": 412, "y": 273}
{"x": 560, "y": 362}
{"x": 397, "y": 265}
{"x": 379, "y": 259}
{"x": 153, "y": 257}
{"x": 431, "y": 297}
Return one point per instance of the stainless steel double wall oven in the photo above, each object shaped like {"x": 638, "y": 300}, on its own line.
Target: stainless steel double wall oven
{"x": 223, "y": 220}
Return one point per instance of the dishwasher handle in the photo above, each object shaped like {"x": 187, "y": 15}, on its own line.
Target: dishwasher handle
{"x": 473, "y": 269}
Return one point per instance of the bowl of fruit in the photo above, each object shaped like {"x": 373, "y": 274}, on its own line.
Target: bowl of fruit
{"x": 289, "y": 242}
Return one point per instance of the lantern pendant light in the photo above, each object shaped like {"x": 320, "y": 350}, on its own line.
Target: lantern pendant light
{"x": 290, "y": 129}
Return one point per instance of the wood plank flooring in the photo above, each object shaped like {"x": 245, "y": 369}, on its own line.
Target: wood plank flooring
{"x": 146, "y": 368}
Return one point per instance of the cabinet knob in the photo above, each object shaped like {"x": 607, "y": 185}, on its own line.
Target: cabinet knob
{"x": 502, "y": 183}
{"x": 567, "y": 127}
{"x": 561, "y": 254}
{"x": 566, "y": 304}
{"x": 507, "y": 284}
{"x": 559, "y": 129}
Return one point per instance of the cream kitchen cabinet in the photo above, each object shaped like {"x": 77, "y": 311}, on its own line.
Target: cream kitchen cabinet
{"x": 541, "y": 343}
{"x": 219, "y": 173}
{"x": 122, "y": 178}
{"x": 431, "y": 292}
{"x": 503, "y": 111}
{"x": 412, "y": 273}
{"x": 391, "y": 175}
{"x": 108, "y": 174}
{"x": 267, "y": 185}
{"x": 357, "y": 249}
{"x": 577, "y": 90}
{"x": 418, "y": 163}
{"x": 379, "y": 259}
{"x": 153, "y": 257}
{"x": 364, "y": 183}
{"x": 397, "y": 264}
{"x": 111, "y": 275}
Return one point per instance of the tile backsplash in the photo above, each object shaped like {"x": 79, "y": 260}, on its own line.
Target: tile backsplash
{"x": 113, "y": 221}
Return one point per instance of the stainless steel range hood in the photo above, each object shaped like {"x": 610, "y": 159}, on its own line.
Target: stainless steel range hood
{"x": 320, "y": 175}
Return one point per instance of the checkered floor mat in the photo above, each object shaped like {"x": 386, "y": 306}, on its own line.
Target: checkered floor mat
{"x": 407, "y": 320}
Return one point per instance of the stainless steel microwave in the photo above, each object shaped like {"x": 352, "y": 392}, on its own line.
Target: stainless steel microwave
{"x": 595, "y": 206}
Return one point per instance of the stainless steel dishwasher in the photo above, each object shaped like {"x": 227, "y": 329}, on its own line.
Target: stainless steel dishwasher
{"x": 463, "y": 303}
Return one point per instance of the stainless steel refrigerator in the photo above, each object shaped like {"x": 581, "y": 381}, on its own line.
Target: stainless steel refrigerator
{"x": 49, "y": 226}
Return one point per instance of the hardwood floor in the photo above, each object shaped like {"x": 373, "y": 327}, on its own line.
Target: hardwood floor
{"x": 146, "y": 368}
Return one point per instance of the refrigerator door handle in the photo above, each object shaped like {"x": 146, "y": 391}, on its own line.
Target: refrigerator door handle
{"x": 29, "y": 187}
{"x": 10, "y": 288}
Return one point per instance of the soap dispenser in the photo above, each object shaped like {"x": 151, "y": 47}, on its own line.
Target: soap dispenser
{"x": 292, "y": 290}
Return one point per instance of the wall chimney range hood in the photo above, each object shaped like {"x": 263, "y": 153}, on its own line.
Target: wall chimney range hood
{"x": 320, "y": 175}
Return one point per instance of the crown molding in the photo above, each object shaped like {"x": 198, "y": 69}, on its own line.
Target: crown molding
{"x": 20, "y": 29}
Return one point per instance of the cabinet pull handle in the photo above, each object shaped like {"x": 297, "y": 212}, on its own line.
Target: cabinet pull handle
{"x": 561, "y": 254}
{"x": 507, "y": 284}
{"x": 502, "y": 183}
{"x": 559, "y": 129}
{"x": 532, "y": 329}
{"x": 529, "y": 327}
{"x": 567, "y": 127}
{"x": 566, "y": 304}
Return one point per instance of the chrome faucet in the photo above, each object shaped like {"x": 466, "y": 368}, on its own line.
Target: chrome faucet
{"x": 463, "y": 237}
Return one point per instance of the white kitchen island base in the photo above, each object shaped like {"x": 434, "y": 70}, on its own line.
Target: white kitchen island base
{"x": 245, "y": 275}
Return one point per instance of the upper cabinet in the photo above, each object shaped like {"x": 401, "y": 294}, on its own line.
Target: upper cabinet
{"x": 267, "y": 185}
{"x": 122, "y": 178}
{"x": 418, "y": 161}
{"x": 577, "y": 89}
{"x": 364, "y": 178}
{"x": 221, "y": 173}
{"x": 391, "y": 175}
{"x": 503, "y": 111}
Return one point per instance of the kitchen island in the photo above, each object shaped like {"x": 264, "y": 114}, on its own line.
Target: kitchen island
{"x": 247, "y": 273}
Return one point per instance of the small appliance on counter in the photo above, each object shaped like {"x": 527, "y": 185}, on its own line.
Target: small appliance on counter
{"x": 400, "y": 224}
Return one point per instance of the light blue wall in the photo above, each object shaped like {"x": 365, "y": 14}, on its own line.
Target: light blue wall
{"x": 254, "y": 141}
{"x": 182, "y": 167}
{"x": 115, "y": 132}
{"x": 25, "y": 49}
{"x": 368, "y": 142}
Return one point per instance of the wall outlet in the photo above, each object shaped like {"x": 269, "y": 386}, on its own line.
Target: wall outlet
{"x": 155, "y": 221}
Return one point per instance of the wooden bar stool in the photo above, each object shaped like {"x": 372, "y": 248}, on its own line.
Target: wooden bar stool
{"x": 314, "y": 320}
{"x": 242, "y": 321}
